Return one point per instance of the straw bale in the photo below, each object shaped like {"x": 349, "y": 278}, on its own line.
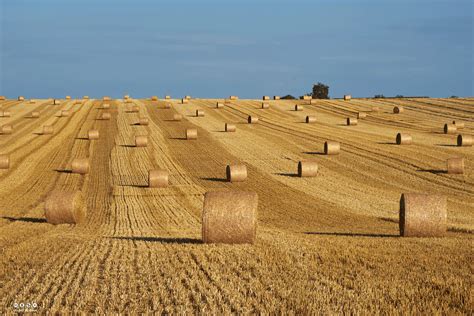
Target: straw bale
{"x": 65, "y": 208}
{"x": 307, "y": 168}
{"x": 229, "y": 217}
{"x": 422, "y": 215}
{"x": 236, "y": 173}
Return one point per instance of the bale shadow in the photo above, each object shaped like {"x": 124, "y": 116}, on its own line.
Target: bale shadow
{"x": 25, "y": 219}
{"x": 350, "y": 234}
{"x": 165, "y": 240}
{"x": 63, "y": 170}
{"x": 292, "y": 175}
{"x": 126, "y": 145}
{"x": 387, "y": 143}
{"x": 37, "y": 133}
{"x": 313, "y": 153}
{"x": 82, "y": 138}
{"x": 433, "y": 171}
{"x": 178, "y": 138}
{"x": 446, "y": 145}
{"x": 135, "y": 124}
{"x": 215, "y": 179}
{"x": 134, "y": 185}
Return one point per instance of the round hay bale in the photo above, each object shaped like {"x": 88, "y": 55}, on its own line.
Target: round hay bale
{"x": 450, "y": 128}
{"x": 234, "y": 97}
{"x": 141, "y": 141}
{"x": 422, "y": 215}
{"x": 252, "y": 119}
{"x": 236, "y": 173}
{"x": 5, "y": 114}
{"x": 191, "y": 133}
{"x": 106, "y": 98}
{"x": 229, "y": 217}
{"x": 48, "y": 129}
{"x": 184, "y": 101}
{"x": 455, "y": 165}
{"x": 143, "y": 121}
{"x": 361, "y": 115}
{"x": 403, "y": 139}
{"x": 199, "y": 113}
{"x": 230, "y": 127}
{"x": 2, "y": 98}
{"x": 6, "y": 129}
{"x": 332, "y": 148}
{"x": 4, "y": 162}
{"x": 80, "y": 166}
{"x": 93, "y": 134}
{"x": 465, "y": 140}
{"x": 307, "y": 168}
{"x": 347, "y": 97}
{"x": 276, "y": 97}
{"x": 265, "y": 98}
{"x": 56, "y": 102}
{"x": 154, "y": 98}
{"x": 105, "y": 116}
{"x": 68, "y": 97}
{"x": 351, "y": 121}
{"x": 398, "y": 109}
{"x": 105, "y": 105}
{"x": 21, "y": 98}
{"x": 167, "y": 106}
{"x": 459, "y": 125}
{"x": 86, "y": 97}
{"x": 135, "y": 109}
{"x": 310, "y": 119}
{"x": 299, "y": 107}
{"x": 32, "y": 101}
{"x": 265, "y": 105}
{"x": 126, "y": 97}
{"x": 35, "y": 114}
{"x": 219, "y": 105}
{"x": 65, "y": 113}
{"x": 188, "y": 97}
{"x": 167, "y": 97}
{"x": 128, "y": 101}
{"x": 158, "y": 178}
{"x": 65, "y": 208}
{"x": 177, "y": 117}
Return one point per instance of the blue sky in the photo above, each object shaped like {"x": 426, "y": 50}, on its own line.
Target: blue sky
{"x": 215, "y": 48}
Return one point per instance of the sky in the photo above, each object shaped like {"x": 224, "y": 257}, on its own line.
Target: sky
{"x": 249, "y": 48}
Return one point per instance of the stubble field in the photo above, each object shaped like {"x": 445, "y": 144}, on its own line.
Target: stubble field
{"x": 327, "y": 244}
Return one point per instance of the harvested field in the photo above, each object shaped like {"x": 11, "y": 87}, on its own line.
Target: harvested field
{"x": 329, "y": 243}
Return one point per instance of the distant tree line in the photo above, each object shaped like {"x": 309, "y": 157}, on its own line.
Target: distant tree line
{"x": 321, "y": 91}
